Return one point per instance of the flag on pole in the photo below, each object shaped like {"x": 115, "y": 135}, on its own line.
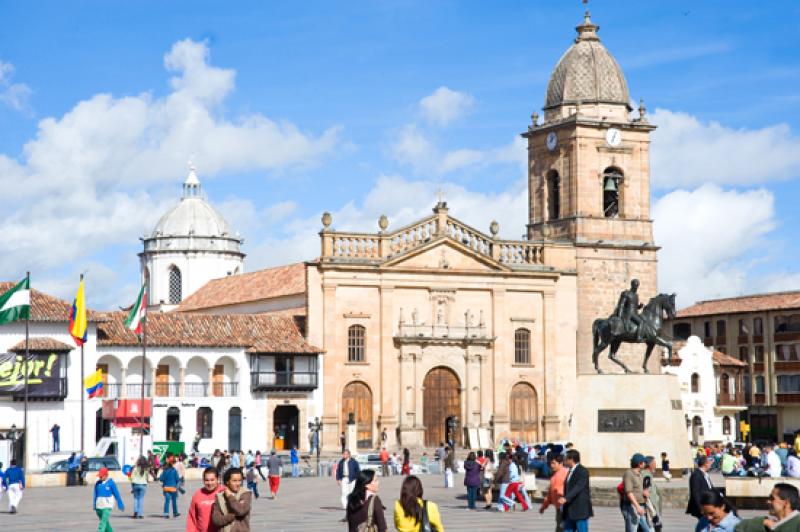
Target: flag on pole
{"x": 16, "y": 303}
{"x": 77, "y": 317}
{"x": 94, "y": 384}
{"x": 138, "y": 311}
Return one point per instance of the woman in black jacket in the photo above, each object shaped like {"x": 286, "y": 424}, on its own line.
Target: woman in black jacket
{"x": 364, "y": 500}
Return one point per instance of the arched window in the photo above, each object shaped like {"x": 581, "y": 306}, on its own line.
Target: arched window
{"x": 724, "y": 384}
{"x": 758, "y": 327}
{"x": 612, "y": 181}
{"x": 356, "y": 343}
{"x": 204, "y": 421}
{"x": 522, "y": 346}
{"x": 553, "y": 195}
{"x": 726, "y": 425}
{"x": 759, "y": 384}
{"x": 175, "y": 285}
{"x": 695, "y": 383}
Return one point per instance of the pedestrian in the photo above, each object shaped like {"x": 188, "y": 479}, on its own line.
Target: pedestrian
{"x": 718, "y": 512}
{"x": 773, "y": 461}
{"x": 523, "y": 484}
{"x": 169, "y": 485}
{"x": 384, "y": 437}
{"x": 699, "y": 483}
{"x": 196, "y": 442}
{"x": 449, "y": 467}
{"x": 347, "y": 471}
{"x": 502, "y": 477}
{"x": 556, "y": 489}
{"x": 342, "y": 441}
{"x": 384, "y": 456}
{"x": 472, "y": 479}
{"x": 223, "y": 464}
{"x": 242, "y": 460}
{"x": 793, "y": 464}
{"x": 394, "y": 464}
{"x": 105, "y": 493}
{"x": 257, "y": 461}
{"x": 364, "y": 507}
{"x": 55, "y": 430}
{"x": 295, "y": 459}
{"x": 231, "y": 510}
{"x": 15, "y": 486}
{"x": 235, "y": 462}
{"x": 202, "y": 503}
{"x": 252, "y": 481}
{"x": 73, "y": 463}
{"x": 83, "y": 468}
{"x": 2, "y": 482}
{"x": 139, "y": 475}
{"x": 783, "y": 503}
{"x": 249, "y": 459}
{"x": 412, "y": 513}
{"x": 576, "y": 504}
{"x": 274, "y": 467}
{"x": 633, "y": 499}
{"x": 487, "y": 471}
{"x": 406, "y": 468}
{"x": 665, "y": 467}
{"x": 652, "y": 494}
{"x": 512, "y": 492}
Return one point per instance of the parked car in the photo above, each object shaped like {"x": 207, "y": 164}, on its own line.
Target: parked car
{"x": 369, "y": 461}
{"x": 95, "y": 463}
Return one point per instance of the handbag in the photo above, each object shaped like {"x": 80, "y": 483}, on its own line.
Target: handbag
{"x": 426, "y": 521}
{"x": 369, "y": 525}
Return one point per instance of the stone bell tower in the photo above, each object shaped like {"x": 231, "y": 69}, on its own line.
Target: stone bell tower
{"x": 589, "y": 183}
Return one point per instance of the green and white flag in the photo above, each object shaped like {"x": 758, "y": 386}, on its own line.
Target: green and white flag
{"x": 16, "y": 303}
{"x": 138, "y": 312}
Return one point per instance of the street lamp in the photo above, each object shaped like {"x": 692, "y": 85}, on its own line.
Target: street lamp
{"x": 315, "y": 427}
{"x": 12, "y": 435}
{"x": 176, "y": 430}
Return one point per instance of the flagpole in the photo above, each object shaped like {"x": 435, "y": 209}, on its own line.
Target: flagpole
{"x": 25, "y": 371}
{"x": 144, "y": 358}
{"x": 83, "y": 373}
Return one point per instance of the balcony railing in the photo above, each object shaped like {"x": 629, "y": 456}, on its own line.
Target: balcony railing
{"x": 759, "y": 398}
{"x": 406, "y": 330}
{"x": 135, "y": 390}
{"x": 283, "y": 380}
{"x": 167, "y": 389}
{"x": 112, "y": 391}
{"x": 195, "y": 389}
{"x": 730, "y": 399}
{"x": 783, "y": 398}
{"x": 224, "y": 389}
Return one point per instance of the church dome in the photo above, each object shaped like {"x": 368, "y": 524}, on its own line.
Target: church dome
{"x": 587, "y": 73}
{"x": 193, "y": 216}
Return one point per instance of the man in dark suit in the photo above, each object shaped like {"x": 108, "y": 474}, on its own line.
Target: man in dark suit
{"x": 576, "y": 504}
{"x": 699, "y": 482}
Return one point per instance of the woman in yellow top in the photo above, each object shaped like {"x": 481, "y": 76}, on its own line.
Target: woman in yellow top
{"x": 409, "y": 510}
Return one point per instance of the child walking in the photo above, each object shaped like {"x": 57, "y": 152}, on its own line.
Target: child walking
{"x": 105, "y": 492}
{"x": 252, "y": 480}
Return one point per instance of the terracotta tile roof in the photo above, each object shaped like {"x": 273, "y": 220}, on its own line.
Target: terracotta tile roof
{"x": 247, "y": 287}
{"x": 256, "y": 332}
{"x": 722, "y": 359}
{"x": 45, "y": 307}
{"x": 41, "y": 343}
{"x": 751, "y": 303}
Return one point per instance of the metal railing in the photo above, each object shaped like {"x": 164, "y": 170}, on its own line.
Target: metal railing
{"x": 135, "y": 390}
{"x": 224, "y": 389}
{"x": 195, "y": 389}
{"x": 111, "y": 391}
{"x": 283, "y": 379}
{"x": 167, "y": 389}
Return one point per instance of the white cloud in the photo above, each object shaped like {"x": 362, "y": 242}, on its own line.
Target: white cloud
{"x": 15, "y": 95}
{"x": 444, "y": 106}
{"x": 706, "y": 237}
{"x": 687, "y": 152}
{"x": 95, "y": 177}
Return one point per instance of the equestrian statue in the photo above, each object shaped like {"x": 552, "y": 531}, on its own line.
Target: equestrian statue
{"x": 627, "y": 325}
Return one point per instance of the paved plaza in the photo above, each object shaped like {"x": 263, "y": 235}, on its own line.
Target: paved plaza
{"x": 303, "y": 504}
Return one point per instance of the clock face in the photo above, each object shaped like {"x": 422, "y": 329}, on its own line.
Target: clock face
{"x": 613, "y": 137}
{"x": 552, "y": 141}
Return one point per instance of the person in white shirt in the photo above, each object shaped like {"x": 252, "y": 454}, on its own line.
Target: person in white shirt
{"x": 793, "y": 464}
{"x": 773, "y": 462}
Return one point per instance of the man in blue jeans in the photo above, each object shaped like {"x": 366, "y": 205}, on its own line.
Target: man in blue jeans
{"x": 634, "y": 495}
{"x": 576, "y": 504}
{"x": 295, "y": 462}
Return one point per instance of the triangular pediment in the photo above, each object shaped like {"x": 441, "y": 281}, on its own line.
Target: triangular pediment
{"x": 444, "y": 253}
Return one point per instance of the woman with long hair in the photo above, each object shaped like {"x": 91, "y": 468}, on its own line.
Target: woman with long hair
{"x": 406, "y": 470}
{"x": 364, "y": 505}
{"x": 411, "y": 511}
{"x": 718, "y": 512}
{"x": 472, "y": 479}
{"x": 488, "y": 476}
{"x": 231, "y": 510}
{"x": 139, "y": 475}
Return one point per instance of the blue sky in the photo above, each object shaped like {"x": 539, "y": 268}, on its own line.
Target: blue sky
{"x": 368, "y": 108}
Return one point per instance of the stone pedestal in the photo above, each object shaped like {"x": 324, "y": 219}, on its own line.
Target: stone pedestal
{"x": 616, "y": 416}
{"x": 351, "y": 435}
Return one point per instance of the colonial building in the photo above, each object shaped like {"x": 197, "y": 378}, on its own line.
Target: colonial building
{"x": 711, "y": 391}
{"x": 191, "y": 244}
{"x": 763, "y": 331}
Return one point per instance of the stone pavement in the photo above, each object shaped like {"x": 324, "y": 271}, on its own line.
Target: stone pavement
{"x": 303, "y": 504}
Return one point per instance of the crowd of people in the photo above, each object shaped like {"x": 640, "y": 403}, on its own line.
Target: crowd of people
{"x": 758, "y": 460}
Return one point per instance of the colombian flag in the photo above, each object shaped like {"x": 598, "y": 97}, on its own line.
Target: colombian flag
{"x": 77, "y": 317}
{"x": 94, "y": 384}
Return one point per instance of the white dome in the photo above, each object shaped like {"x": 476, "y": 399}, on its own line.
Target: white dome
{"x": 193, "y": 216}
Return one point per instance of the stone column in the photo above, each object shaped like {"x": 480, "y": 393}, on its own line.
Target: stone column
{"x": 500, "y": 366}
{"x": 210, "y": 383}
{"x": 152, "y": 382}
{"x": 123, "y": 392}
{"x": 390, "y": 414}
{"x": 551, "y": 399}
{"x": 182, "y": 382}
{"x": 331, "y": 403}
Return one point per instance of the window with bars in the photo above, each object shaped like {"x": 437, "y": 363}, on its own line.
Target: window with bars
{"x": 204, "y": 421}
{"x": 175, "y": 286}
{"x": 522, "y": 346}
{"x": 726, "y": 425}
{"x": 356, "y": 343}
{"x": 695, "y": 383}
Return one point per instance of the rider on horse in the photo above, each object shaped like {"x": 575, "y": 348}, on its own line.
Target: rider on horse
{"x": 627, "y": 310}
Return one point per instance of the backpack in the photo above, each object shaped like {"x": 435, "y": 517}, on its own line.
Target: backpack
{"x": 369, "y": 525}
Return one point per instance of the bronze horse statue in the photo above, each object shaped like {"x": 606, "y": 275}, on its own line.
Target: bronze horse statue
{"x": 613, "y": 332}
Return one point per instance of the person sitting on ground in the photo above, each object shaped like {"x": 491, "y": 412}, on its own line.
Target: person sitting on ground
{"x": 232, "y": 506}
{"x": 793, "y": 464}
{"x": 363, "y": 504}
{"x": 783, "y": 503}
{"x": 412, "y": 511}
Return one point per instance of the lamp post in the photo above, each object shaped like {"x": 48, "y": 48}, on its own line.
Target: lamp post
{"x": 315, "y": 427}
{"x": 12, "y": 435}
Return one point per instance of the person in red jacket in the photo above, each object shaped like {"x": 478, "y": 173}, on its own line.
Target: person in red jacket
{"x": 199, "y": 518}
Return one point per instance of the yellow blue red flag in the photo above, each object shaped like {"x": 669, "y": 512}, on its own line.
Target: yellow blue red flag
{"x": 77, "y": 317}
{"x": 94, "y": 384}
